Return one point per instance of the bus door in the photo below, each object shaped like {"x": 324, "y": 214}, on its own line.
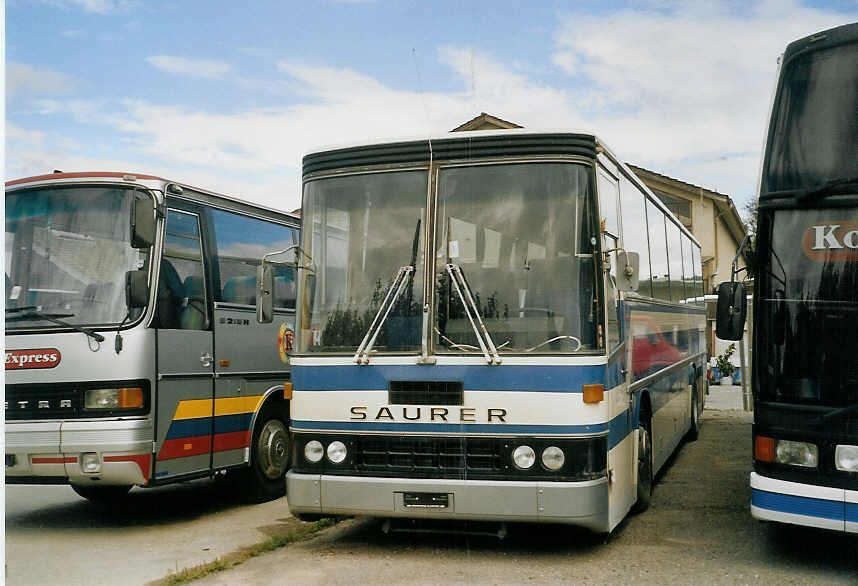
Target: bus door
{"x": 185, "y": 350}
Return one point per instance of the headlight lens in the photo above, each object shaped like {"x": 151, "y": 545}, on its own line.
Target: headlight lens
{"x": 337, "y": 452}
{"x": 553, "y": 458}
{"x": 124, "y": 398}
{"x": 796, "y": 454}
{"x": 313, "y": 451}
{"x": 523, "y": 457}
{"x": 846, "y": 458}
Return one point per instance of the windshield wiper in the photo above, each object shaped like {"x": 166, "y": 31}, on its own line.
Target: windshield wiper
{"x": 54, "y": 318}
{"x": 460, "y": 284}
{"x": 824, "y": 189}
{"x": 837, "y": 413}
{"x": 393, "y": 293}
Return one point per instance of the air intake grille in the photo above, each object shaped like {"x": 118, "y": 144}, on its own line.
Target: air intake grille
{"x": 425, "y": 393}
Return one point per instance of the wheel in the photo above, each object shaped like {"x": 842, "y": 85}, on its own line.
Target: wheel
{"x": 265, "y": 479}
{"x": 694, "y": 430}
{"x": 102, "y": 494}
{"x": 644, "y": 462}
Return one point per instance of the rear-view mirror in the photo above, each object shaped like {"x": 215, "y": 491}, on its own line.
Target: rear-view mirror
{"x": 731, "y": 311}
{"x": 142, "y": 223}
{"x": 136, "y": 289}
{"x": 628, "y": 270}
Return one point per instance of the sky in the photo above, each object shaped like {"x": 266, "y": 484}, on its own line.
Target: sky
{"x": 229, "y": 96}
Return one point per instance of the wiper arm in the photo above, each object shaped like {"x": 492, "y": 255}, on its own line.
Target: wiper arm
{"x": 19, "y": 309}
{"x": 54, "y": 318}
{"x": 825, "y": 188}
{"x": 393, "y": 293}
{"x": 457, "y": 277}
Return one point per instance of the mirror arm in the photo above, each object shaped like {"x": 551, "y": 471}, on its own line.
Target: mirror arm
{"x": 735, "y": 265}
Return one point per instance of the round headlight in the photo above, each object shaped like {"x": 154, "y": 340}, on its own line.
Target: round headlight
{"x": 337, "y": 452}
{"x": 846, "y": 458}
{"x": 553, "y": 458}
{"x": 523, "y": 457}
{"x": 313, "y": 451}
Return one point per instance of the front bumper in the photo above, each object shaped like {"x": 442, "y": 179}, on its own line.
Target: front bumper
{"x": 804, "y": 504}
{"x": 52, "y": 452}
{"x": 584, "y": 504}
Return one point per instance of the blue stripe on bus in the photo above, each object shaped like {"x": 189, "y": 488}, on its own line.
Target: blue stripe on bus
{"x": 799, "y": 505}
{"x": 558, "y": 379}
{"x": 195, "y": 427}
{"x": 617, "y": 429}
{"x": 234, "y": 422}
{"x": 852, "y": 512}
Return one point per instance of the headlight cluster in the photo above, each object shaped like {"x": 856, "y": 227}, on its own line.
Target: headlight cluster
{"x": 336, "y": 452}
{"x": 524, "y": 457}
{"x": 114, "y": 399}
{"x": 802, "y": 454}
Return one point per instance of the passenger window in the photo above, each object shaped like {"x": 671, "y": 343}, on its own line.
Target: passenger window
{"x": 609, "y": 214}
{"x": 688, "y": 269}
{"x": 241, "y": 243}
{"x": 181, "y": 302}
{"x": 698, "y": 275}
{"x": 634, "y": 231}
{"x": 658, "y": 252}
{"x": 674, "y": 257}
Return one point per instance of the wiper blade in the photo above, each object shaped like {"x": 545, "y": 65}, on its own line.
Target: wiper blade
{"x": 824, "y": 189}
{"x": 393, "y": 293}
{"x": 55, "y": 318}
{"x": 19, "y": 309}
{"x": 460, "y": 284}
{"x": 837, "y": 413}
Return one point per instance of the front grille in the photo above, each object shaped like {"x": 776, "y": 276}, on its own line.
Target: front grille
{"x": 430, "y": 456}
{"x": 64, "y": 400}
{"x": 425, "y": 393}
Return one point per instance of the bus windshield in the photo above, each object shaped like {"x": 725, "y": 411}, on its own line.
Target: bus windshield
{"x": 813, "y": 136}
{"x": 522, "y": 236}
{"x": 67, "y": 252}
{"x": 359, "y": 231}
{"x": 808, "y": 314}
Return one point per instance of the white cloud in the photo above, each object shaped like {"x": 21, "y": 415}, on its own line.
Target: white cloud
{"x": 31, "y": 81}
{"x": 203, "y": 68}
{"x": 95, "y": 6}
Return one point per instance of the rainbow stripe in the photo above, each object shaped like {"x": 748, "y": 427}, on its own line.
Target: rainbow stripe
{"x": 202, "y": 425}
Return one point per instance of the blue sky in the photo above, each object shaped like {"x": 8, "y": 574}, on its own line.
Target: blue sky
{"x": 229, "y": 95}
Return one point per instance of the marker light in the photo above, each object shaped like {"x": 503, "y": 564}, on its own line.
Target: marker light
{"x": 123, "y": 398}
{"x": 523, "y": 457}
{"x": 313, "y": 451}
{"x": 337, "y": 452}
{"x": 796, "y": 454}
{"x": 553, "y": 458}
{"x": 593, "y": 393}
{"x": 846, "y": 458}
{"x": 764, "y": 448}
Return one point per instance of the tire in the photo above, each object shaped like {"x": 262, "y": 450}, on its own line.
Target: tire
{"x": 102, "y": 494}
{"x": 644, "y": 462}
{"x": 265, "y": 479}
{"x": 694, "y": 430}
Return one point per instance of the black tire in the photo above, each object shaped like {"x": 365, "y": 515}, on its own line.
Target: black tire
{"x": 265, "y": 479}
{"x": 102, "y": 494}
{"x": 644, "y": 462}
{"x": 694, "y": 430}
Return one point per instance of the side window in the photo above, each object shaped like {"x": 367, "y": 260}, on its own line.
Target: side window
{"x": 609, "y": 213}
{"x": 608, "y": 195}
{"x": 674, "y": 257}
{"x": 241, "y": 242}
{"x": 698, "y": 275}
{"x": 181, "y": 300}
{"x": 688, "y": 269}
{"x": 657, "y": 252}
{"x": 634, "y": 230}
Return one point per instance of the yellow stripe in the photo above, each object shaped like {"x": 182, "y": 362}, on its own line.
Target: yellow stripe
{"x": 233, "y": 405}
{"x": 193, "y": 408}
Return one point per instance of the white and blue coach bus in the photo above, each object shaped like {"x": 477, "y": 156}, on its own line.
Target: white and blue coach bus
{"x": 805, "y": 358}
{"x": 497, "y": 326}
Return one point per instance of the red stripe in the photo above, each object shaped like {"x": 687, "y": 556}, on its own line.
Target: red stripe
{"x": 142, "y": 460}
{"x": 231, "y": 441}
{"x": 184, "y": 447}
{"x": 54, "y": 460}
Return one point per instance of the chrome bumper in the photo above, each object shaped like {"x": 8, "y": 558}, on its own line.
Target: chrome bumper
{"x": 576, "y": 503}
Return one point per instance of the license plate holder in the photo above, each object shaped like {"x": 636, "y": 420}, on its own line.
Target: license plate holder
{"x": 426, "y": 500}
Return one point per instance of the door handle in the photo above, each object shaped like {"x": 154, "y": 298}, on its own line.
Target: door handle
{"x": 206, "y": 359}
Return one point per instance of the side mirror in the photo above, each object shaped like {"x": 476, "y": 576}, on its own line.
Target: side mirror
{"x": 628, "y": 270}
{"x": 142, "y": 223}
{"x": 136, "y": 289}
{"x": 264, "y": 294}
{"x": 731, "y": 311}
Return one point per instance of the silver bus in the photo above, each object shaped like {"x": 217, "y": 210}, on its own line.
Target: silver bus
{"x": 496, "y": 326}
{"x": 133, "y": 356}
